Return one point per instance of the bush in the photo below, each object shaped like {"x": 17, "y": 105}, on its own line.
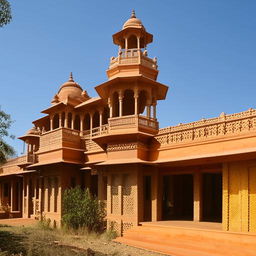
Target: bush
{"x": 81, "y": 210}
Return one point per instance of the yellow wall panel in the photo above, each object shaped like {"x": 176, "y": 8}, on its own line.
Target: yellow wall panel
{"x": 234, "y": 199}
{"x": 252, "y": 199}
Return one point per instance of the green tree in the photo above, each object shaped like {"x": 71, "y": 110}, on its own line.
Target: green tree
{"x": 81, "y": 209}
{"x": 5, "y": 13}
{"x": 5, "y": 149}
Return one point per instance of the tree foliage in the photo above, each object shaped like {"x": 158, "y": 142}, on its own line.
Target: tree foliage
{"x": 5, "y": 13}
{"x": 81, "y": 210}
{"x": 5, "y": 149}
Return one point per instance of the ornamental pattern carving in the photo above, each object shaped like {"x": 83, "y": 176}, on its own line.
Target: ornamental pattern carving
{"x": 209, "y": 128}
{"x": 125, "y": 146}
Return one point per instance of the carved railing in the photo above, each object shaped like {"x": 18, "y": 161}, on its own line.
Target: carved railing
{"x": 132, "y": 121}
{"x": 133, "y": 56}
{"x": 224, "y": 125}
{"x": 58, "y": 138}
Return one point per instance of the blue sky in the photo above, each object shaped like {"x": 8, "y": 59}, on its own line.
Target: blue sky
{"x": 206, "y": 53}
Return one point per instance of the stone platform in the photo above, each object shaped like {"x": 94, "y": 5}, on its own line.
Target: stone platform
{"x": 183, "y": 238}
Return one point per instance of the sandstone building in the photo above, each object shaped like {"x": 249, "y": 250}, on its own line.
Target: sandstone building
{"x": 112, "y": 144}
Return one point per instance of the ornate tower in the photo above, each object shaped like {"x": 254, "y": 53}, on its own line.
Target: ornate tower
{"x": 132, "y": 91}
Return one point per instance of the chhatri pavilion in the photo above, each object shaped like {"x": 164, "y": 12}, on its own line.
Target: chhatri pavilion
{"x": 204, "y": 171}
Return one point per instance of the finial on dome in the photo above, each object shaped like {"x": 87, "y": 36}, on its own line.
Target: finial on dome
{"x": 133, "y": 14}
{"x": 71, "y": 77}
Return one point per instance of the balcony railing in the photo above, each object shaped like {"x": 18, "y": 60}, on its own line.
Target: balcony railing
{"x": 133, "y": 56}
{"x": 212, "y": 128}
{"x": 61, "y": 137}
{"x": 124, "y": 122}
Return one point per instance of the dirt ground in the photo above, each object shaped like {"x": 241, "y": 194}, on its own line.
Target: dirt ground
{"x": 29, "y": 238}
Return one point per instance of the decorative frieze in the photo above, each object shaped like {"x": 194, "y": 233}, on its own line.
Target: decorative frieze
{"x": 208, "y": 128}
{"x": 125, "y": 146}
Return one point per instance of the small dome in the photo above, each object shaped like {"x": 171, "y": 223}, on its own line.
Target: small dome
{"x": 133, "y": 22}
{"x": 32, "y": 131}
{"x": 70, "y": 90}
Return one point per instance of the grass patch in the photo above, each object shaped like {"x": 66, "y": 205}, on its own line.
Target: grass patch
{"x": 40, "y": 240}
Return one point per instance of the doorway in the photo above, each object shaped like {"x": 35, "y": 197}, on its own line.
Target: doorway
{"x": 212, "y": 197}
{"x": 177, "y": 201}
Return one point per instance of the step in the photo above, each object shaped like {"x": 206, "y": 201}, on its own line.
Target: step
{"x": 243, "y": 239}
{"x": 175, "y": 240}
{"x": 165, "y": 249}
{"x": 192, "y": 245}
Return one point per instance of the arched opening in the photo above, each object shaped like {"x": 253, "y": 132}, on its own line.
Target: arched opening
{"x": 96, "y": 120}
{"x": 69, "y": 120}
{"x": 105, "y": 116}
{"x": 56, "y": 121}
{"x": 115, "y": 105}
{"x": 142, "y": 101}
{"x": 77, "y": 123}
{"x": 62, "y": 119}
{"x": 132, "y": 42}
{"x": 87, "y": 122}
{"x": 128, "y": 103}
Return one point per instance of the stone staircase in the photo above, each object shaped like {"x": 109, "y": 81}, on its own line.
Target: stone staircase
{"x": 184, "y": 241}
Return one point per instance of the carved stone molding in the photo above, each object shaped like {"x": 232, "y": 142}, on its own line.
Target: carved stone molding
{"x": 125, "y": 146}
{"x": 209, "y": 128}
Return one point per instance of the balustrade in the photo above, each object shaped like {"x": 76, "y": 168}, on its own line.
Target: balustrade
{"x": 224, "y": 125}
{"x": 133, "y": 56}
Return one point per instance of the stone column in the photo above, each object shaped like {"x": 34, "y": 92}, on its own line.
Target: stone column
{"x": 109, "y": 195}
{"x": 27, "y": 198}
{"x": 46, "y": 194}
{"x": 12, "y": 195}
{"x": 66, "y": 120}
{"x": 126, "y": 46}
{"x": 72, "y": 121}
{"x": 120, "y": 193}
{"x": 110, "y": 107}
{"x": 154, "y": 110}
{"x": 59, "y": 198}
{"x": 91, "y": 122}
{"x": 35, "y": 192}
{"x": 51, "y": 123}
{"x": 197, "y": 196}
{"x": 138, "y": 42}
{"x": 100, "y": 112}
{"x": 40, "y": 196}
{"x": 156, "y": 199}
{"x": 121, "y": 103}
{"x": 60, "y": 120}
{"x": 81, "y": 123}
{"x": 136, "y": 96}
{"x": 148, "y": 111}
{"x": 19, "y": 196}
{"x": 23, "y": 197}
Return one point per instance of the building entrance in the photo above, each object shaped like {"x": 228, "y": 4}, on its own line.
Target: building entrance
{"x": 212, "y": 197}
{"x": 177, "y": 197}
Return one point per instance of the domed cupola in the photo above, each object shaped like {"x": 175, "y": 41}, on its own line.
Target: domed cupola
{"x": 133, "y": 22}
{"x": 70, "y": 91}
